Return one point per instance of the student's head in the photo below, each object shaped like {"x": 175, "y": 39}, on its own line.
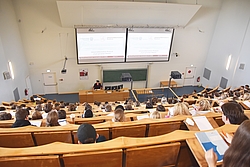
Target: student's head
{"x": 37, "y": 115}
{"x": 88, "y": 113}
{"x": 128, "y": 107}
{"x": 21, "y": 114}
{"x": 2, "y": 108}
{"x": 160, "y": 108}
{"x": 154, "y": 100}
{"x": 108, "y": 108}
{"x": 232, "y": 113}
{"x": 72, "y": 107}
{"x": 164, "y": 100}
{"x": 57, "y": 106}
{"x": 204, "y": 105}
{"x": 119, "y": 115}
{"x": 62, "y": 104}
{"x": 155, "y": 115}
{"x": 61, "y": 114}
{"x": 137, "y": 104}
{"x": 238, "y": 152}
{"x": 119, "y": 106}
{"x": 52, "y": 119}
{"x": 86, "y": 134}
{"x": 5, "y": 116}
{"x": 88, "y": 107}
{"x": 180, "y": 109}
{"x": 48, "y": 107}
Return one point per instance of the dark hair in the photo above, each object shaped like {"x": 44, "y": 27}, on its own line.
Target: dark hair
{"x": 61, "y": 114}
{"x": 160, "y": 108}
{"x": 234, "y": 112}
{"x": 2, "y": 108}
{"x": 52, "y": 119}
{"x": 37, "y": 115}
{"x": 62, "y": 104}
{"x": 88, "y": 107}
{"x": 5, "y": 116}
{"x": 128, "y": 107}
{"x": 88, "y": 114}
{"x": 57, "y": 106}
{"x": 48, "y": 107}
{"x": 72, "y": 107}
{"x": 97, "y": 103}
{"x": 108, "y": 108}
{"x": 149, "y": 105}
{"x": 238, "y": 152}
{"x": 137, "y": 104}
{"x": 39, "y": 107}
{"x": 119, "y": 106}
{"x": 86, "y": 134}
{"x": 154, "y": 100}
{"x": 21, "y": 114}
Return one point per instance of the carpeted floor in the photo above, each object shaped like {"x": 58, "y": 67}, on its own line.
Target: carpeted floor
{"x": 72, "y": 98}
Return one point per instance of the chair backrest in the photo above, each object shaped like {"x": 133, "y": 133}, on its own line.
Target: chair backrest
{"x": 163, "y": 128}
{"x": 42, "y": 138}
{"x": 153, "y": 156}
{"x": 89, "y": 121}
{"x": 111, "y": 158}
{"x": 38, "y": 161}
{"x": 129, "y": 131}
{"x": 16, "y": 140}
{"x": 103, "y": 132}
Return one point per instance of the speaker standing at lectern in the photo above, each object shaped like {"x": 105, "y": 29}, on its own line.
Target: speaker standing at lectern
{"x": 97, "y": 85}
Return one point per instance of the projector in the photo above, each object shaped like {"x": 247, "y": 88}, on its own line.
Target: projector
{"x": 64, "y": 71}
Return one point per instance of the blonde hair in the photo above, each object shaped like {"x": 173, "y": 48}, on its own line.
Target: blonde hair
{"x": 180, "y": 109}
{"x": 204, "y": 105}
{"x": 155, "y": 115}
{"x": 119, "y": 115}
{"x": 52, "y": 119}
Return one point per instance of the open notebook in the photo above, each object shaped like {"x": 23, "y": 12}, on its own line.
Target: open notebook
{"x": 212, "y": 139}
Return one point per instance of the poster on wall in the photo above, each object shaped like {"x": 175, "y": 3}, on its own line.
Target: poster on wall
{"x": 84, "y": 75}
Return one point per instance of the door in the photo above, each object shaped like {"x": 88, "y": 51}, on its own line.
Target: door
{"x": 189, "y": 76}
{"x": 50, "y": 83}
{"x": 28, "y": 87}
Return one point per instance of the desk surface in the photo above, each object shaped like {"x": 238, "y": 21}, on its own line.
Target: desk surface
{"x": 166, "y": 83}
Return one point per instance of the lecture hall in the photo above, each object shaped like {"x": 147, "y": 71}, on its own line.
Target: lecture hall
{"x": 150, "y": 83}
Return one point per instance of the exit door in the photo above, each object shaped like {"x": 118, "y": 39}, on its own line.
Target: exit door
{"x": 50, "y": 83}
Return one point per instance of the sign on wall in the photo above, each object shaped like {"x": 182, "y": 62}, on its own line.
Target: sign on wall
{"x": 84, "y": 74}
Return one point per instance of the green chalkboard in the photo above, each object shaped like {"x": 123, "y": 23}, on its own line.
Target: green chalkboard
{"x": 115, "y": 75}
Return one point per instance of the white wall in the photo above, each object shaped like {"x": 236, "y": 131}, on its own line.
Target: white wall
{"x": 231, "y": 36}
{"x": 11, "y": 49}
{"x": 47, "y": 50}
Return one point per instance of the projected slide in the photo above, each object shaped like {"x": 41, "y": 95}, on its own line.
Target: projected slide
{"x": 149, "y": 44}
{"x": 98, "y": 47}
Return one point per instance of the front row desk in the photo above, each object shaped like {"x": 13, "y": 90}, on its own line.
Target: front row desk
{"x": 103, "y": 95}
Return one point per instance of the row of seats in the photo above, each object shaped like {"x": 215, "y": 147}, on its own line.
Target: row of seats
{"x": 161, "y": 150}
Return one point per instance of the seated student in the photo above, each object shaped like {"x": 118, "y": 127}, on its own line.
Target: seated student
{"x": 137, "y": 104}
{"x": 86, "y": 134}
{"x": 88, "y": 114}
{"x": 57, "y": 106}
{"x": 72, "y": 107}
{"x": 61, "y": 114}
{"x": 204, "y": 105}
{"x": 155, "y": 115}
{"x": 129, "y": 107}
{"x": 232, "y": 113}
{"x": 52, "y": 119}
{"x": 238, "y": 152}
{"x": 154, "y": 100}
{"x": 22, "y": 119}
{"x": 108, "y": 108}
{"x": 48, "y": 107}
{"x": 164, "y": 100}
{"x": 119, "y": 106}
{"x": 179, "y": 109}
{"x": 97, "y": 85}
{"x": 37, "y": 115}
{"x": 39, "y": 107}
{"x": 2, "y": 108}
{"x": 160, "y": 108}
{"x": 5, "y": 116}
{"x": 119, "y": 115}
{"x": 62, "y": 104}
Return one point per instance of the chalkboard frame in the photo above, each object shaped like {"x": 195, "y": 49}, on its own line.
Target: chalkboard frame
{"x": 115, "y": 75}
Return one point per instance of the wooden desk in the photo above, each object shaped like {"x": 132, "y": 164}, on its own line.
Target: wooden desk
{"x": 102, "y": 96}
{"x": 166, "y": 83}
